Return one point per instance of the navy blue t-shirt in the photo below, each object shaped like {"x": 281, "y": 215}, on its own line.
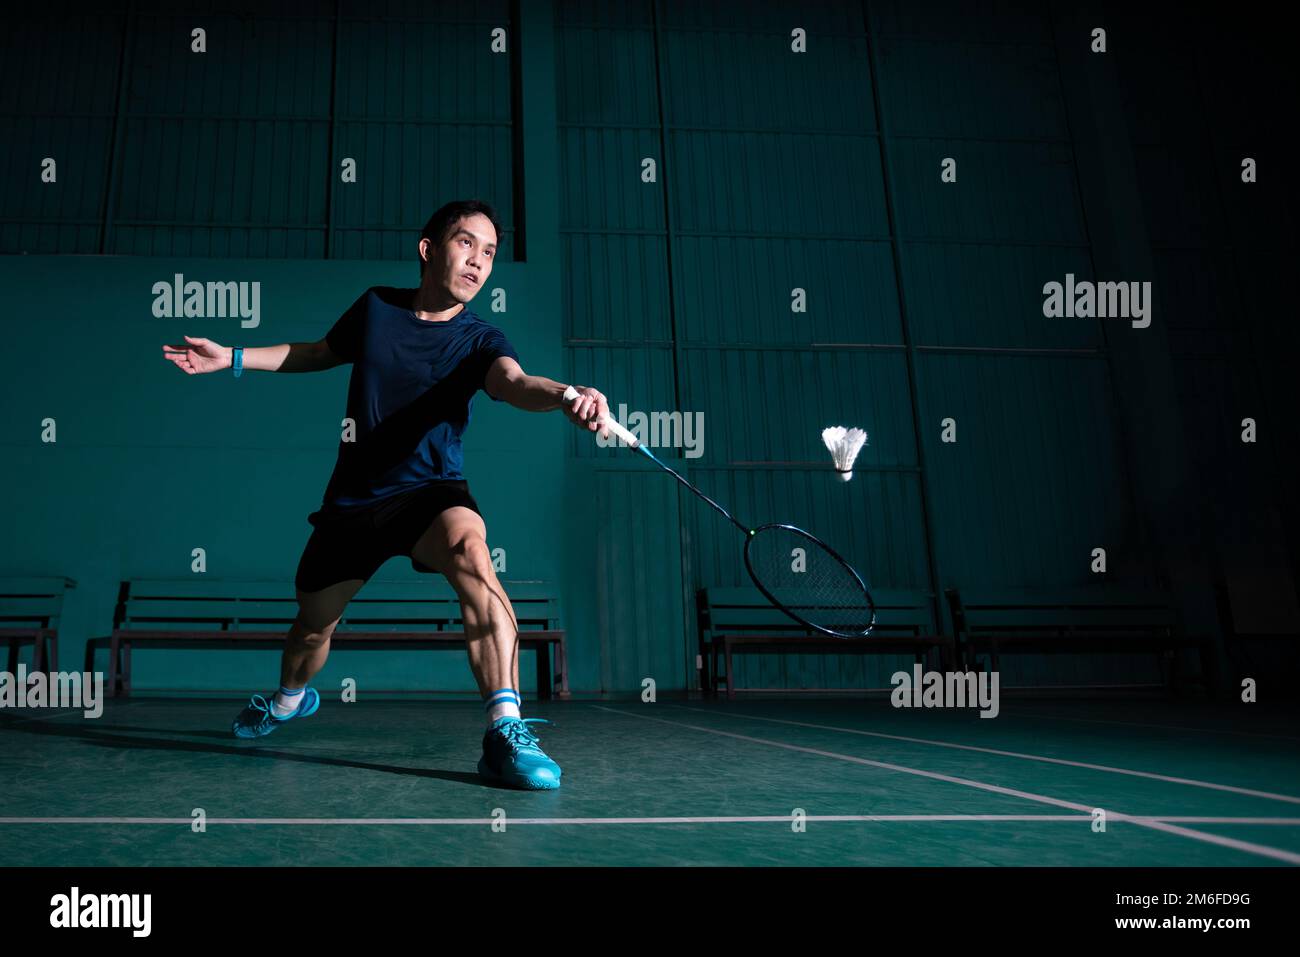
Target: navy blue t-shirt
{"x": 412, "y": 385}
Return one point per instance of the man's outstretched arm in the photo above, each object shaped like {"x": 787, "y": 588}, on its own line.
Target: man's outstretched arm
{"x": 197, "y": 356}
{"x": 506, "y": 381}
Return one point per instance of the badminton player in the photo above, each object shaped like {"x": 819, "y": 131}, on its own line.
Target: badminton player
{"x": 418, "y": 358}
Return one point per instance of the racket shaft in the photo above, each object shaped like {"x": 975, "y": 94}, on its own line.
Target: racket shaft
{"x": 571, "y": 393}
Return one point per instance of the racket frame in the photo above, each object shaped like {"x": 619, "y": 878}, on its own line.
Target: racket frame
{"x": 871, "y": 602}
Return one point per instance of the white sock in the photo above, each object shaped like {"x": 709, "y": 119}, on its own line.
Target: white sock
{"x": 502, "y": 704}
{"x": 286, "y": 701}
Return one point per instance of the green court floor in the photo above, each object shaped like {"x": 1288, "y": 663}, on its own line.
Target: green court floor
{"x": 672, "y": 783}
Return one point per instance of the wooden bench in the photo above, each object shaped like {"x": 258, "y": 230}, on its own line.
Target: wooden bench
{"x": 30, "y": 609}
{"x": 382, "y": 616}
{"x": 740, "y": 620}
{"x": 1090, "y": 619}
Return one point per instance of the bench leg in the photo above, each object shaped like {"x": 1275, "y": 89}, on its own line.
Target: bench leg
{"x": 13, "y": 656}
{"x": 704, "y": 655}
{"x": 731, "y": 683}
{"x": 119, "y": 668}
{"x": 113, "y": 676}
{"x": 562, "y": 666}
{"x": 38, "y": 654}
{"x": 544, "y": 672}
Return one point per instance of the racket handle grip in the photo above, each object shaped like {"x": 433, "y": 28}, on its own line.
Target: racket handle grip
{"x": 608, "y": 422}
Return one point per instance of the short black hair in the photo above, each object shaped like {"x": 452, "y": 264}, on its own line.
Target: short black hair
{"x": 440, "y": 223}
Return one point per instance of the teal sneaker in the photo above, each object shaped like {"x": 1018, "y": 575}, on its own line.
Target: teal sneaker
{"x": 258, "y": 719}
{"x": 511, "y": 756}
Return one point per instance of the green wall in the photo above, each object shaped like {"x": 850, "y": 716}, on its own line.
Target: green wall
{"x": 774, "y": 172}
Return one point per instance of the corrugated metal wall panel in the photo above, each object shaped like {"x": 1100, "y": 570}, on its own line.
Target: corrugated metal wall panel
{"x": 1223, "y": 251}
{"x": 1197, "y": 289}
{"x": 636, "y": 581}
{"x": 63, "y": 216}
{"x": 228, "y": 152}
{"x": 615, "y": 288}
{"x": 222, "y": 188}
{"x": 1036, "y": 478}
{"x": 433, "y": 66}
{"x": 800, "y": 208}
{"x": 990, "y": 296}
{"x": 731, "y": 16}
{"x": 770, "y": 405}
{"x": 735, "y": 260}
{"x": 873, "y": 521}
{"x": 405, "y": 172}
{"x": 77, "y": 74}
{"x": 1175, "y": 185}
{"x": 624, "y": 17}
{"x": 746, "y": 76}
{"x": 1011, "y": 21}
{"x": 600, "y": 184}
{"x": 56, "y": 100}
{"x": 990, "y": 90}
{"x": 816, "y": 185}
{"x": 1035, "y": 481}
{"x": 424, "y": 108}
{"x": 269, "y": 66}
{"x": 618, "y": 331}
{"x": 738, "y": 290}
{"x": 1005, "y": 192}
{"x": 604, "y": 74}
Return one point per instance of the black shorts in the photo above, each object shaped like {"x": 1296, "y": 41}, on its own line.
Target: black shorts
{"x": 354, "y": 542}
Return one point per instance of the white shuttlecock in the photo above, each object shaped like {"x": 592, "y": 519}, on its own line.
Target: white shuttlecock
{"x": 844, "y": 444}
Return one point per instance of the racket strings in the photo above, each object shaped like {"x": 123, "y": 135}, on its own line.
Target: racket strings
{"x": 804, "y": 576}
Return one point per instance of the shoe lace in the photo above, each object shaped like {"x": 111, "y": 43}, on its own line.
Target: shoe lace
{"x": 520, "y": 735}
{"x": 258, "y": 703}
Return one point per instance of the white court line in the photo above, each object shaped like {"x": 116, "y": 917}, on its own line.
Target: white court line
{"x": 1140, "y": 724}
{"x": 755, "y": 819}
{"x": 1260, "y": 849}
{"x": 1249, "y": 792}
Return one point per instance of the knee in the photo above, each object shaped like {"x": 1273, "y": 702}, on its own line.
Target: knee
{"x": 309, "y": 632}
{"x": 470, "y": 558}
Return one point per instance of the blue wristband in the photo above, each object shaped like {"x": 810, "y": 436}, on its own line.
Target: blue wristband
{"x": 238, "y": 361}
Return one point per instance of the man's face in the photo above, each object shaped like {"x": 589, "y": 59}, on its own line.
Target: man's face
{"x": 464, "y": 262}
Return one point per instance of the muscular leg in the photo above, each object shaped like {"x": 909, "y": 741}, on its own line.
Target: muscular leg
{"x": 308, "y": 643}
{"x": 455, "y": 544}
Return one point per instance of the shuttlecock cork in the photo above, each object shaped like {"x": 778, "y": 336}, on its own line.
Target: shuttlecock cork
{"x": 844, "y": 444}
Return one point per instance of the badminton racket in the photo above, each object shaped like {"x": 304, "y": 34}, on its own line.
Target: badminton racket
{"x": 796, "y": 571}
